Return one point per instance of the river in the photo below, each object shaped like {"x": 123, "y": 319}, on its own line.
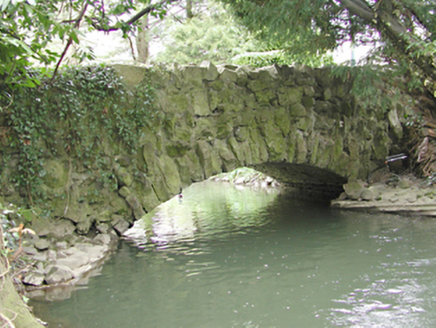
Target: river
{"x": 224, "y": 256}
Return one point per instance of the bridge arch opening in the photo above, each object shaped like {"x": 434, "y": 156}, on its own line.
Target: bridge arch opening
{"x": 306, "y": 180}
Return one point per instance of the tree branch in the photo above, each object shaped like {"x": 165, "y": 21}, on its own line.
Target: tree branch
{"x": 419, "y": 19}
{"x": 387, "y": 23}
{"x": 69, "y": 42}
{"x": 135, "y": 18}
{"x": 359, "y": 8}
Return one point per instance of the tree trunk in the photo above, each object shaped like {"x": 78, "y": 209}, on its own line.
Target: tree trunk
{"x": 142, "y": 45}
{"x": 189, "y": 13}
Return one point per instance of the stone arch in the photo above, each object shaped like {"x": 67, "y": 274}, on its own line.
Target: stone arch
{"x": 300, "y": 126}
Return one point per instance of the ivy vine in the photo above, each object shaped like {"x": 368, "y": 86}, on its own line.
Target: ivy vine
{"x": 72, "y": 115}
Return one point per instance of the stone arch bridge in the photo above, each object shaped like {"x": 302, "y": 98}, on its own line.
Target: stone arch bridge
{"x": 300, "y": 126}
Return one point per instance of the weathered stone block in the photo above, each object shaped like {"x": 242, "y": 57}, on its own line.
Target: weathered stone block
{"x": 56, "y": 174}
{"x": 241, "y": 133}
{"x": 120, "y": 225}
{"x": 199, "y": 102}
{"x": 297, "y": 110}
{"x": 395, "y": 124}
{"x": 327, "y": 94}
{"x": 289, "y": 96}
{"x": 259, "y": 150}
{"x": 300, "y": 148}
{"x": 136, "y": 206}
{"x": 234, "y": 146}
{"x": 227, "y": 75}
{"x": 193, "y": 75}
{"x": 227, "y": 156}
{"x": 123, "y": 176}
{"x": 308, "y": 102}
{"x": 58, "y": 274}
{"x": 211, "y": 72}
{"x": 354, "y": 188}
{"x": 208, "y": 158}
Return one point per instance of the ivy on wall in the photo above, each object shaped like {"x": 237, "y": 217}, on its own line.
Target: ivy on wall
{"x": 69, "y": 116}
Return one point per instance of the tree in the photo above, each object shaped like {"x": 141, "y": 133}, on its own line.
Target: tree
{"x": 209, "y": 32}
{"x": 142, "y": 44}
{"x": 28, "y": 29}
{"x": 402, "y": 31}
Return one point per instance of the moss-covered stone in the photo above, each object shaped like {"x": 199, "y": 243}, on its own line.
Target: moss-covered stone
{"x": 56, "y": 174}
{"x": 308, "y": 102}
{"x": 211, "y": 72}
{"x": 224, "y": 126}
{"x": 297, "y": 110}
{"x": 123, "y": 176}
{"x": 241, "y": 133}
{"x": 282, "y": 120}
{"x": 259, "y": 151}
{"x": 300, "y": 148}
{"x": 228, "y": 158}
{"x": 208, "y": 158}
{"x": 289, "y": 96}
{"x": 227, "y": 75}
{"x": 327, "y": 94}
{"x": 193, "y": 75}
{"x": 206, "y": 129}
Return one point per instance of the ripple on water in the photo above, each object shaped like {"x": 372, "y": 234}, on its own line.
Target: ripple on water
{"x": 235, "y": 259}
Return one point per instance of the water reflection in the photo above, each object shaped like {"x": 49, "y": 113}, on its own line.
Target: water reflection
{"x": 270, "y": 261}
{"x": 207, "y": 208}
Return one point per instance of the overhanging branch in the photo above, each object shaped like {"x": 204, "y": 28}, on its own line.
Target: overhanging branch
{"x": 359, "y": 8}
{"x": 135, "y": 18}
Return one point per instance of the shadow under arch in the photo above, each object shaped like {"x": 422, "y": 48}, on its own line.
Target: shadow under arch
{"x": 304, "y": 179}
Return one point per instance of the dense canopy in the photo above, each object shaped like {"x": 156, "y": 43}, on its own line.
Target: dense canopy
{"x": 403, "y": 32}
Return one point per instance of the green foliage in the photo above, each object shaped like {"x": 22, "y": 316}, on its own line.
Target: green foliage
{"x": 29, "y": 28}
{"x": 403, "y": 32}
{"x": 212, "y": 36}
{"x": 289, "y": 25}
{"x": 375, "y": 86}
{"x": 279, "y": 57}
{"x": 216, "y": 36}
{"x": 70, "y": 116}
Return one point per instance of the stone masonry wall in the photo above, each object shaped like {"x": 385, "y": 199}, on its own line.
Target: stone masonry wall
{"x": 215, "y": 119}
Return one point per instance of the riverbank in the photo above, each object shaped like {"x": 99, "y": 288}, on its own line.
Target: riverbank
{"x": 403, "y": 194}
{"x": 60, "y": 259}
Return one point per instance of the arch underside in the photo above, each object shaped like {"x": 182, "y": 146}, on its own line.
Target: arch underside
{"x": 304, "y": 178}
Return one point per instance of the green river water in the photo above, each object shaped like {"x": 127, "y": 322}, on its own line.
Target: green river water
{"x": 223, "y": 256}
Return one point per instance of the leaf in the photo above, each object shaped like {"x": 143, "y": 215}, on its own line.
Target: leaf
{"x": 4, "y": 4}
{"x": 74, "y": 37}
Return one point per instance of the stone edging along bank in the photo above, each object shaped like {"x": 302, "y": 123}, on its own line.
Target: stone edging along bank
{"x": 405, "y": 195}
